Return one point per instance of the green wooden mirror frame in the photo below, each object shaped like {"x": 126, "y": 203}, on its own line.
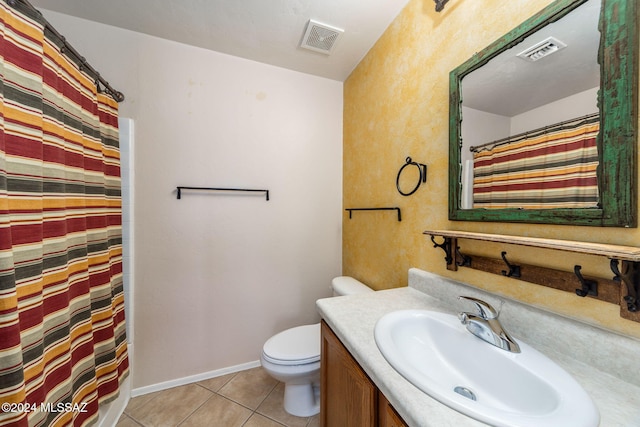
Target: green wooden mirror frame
{"x": 618, "y": 104}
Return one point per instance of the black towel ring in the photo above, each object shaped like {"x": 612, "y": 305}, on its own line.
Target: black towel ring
{"x": 422, "y": 169}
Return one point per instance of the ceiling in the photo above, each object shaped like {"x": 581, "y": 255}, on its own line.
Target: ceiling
{"x": 508, "y": 85}
{"x": 265, "y": 31}
{"x": 271, "y": 32}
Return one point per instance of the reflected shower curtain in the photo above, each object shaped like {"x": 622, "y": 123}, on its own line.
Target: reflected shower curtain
{"x": 545, "y": 169}
{"x": 62, "y": 332}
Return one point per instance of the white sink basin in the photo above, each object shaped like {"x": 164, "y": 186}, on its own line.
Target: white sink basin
{"x": 437, "y": 354}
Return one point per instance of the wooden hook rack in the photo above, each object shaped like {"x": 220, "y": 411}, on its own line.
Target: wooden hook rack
{"x": 623, "y": 289}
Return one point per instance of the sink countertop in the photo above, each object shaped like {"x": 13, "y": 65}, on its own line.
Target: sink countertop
{"x": 596, "y": 358}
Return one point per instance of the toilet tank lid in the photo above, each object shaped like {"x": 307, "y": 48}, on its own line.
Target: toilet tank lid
{"x": 300, "y": 345}
{"x": 346, "y": 285}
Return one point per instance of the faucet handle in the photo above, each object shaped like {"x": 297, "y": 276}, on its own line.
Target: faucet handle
{"x": 485, "y": 310}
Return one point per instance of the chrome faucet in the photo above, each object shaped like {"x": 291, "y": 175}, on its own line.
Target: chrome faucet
{"x": 485, "y": 325}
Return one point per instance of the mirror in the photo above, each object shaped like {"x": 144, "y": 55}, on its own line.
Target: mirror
{"x": 581, "y": 99}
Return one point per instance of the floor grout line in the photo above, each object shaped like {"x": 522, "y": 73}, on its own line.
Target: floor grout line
{"x": 266, "y": 397}
{"x": 265, "y": 413}
{"x": 196, "y": 409}
{"x": 133, "y": 419}
{"x": 268, "y": 416}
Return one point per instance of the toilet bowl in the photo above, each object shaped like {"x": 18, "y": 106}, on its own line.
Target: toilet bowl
{"x": 293, "y": 357}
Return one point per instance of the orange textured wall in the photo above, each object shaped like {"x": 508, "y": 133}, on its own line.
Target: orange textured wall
{"x": 396, "y": 104}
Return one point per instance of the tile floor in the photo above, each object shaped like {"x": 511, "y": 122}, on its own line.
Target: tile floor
{"x": 248, "y": 398}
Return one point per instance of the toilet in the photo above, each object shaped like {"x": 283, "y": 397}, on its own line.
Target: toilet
{"x": 293, "y": 357}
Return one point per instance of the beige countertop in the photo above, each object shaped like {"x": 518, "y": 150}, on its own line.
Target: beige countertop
{"x": 603, "y": 362}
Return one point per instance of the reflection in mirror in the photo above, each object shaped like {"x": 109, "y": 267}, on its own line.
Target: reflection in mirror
{"x": 543, "y": 122}
{"x": 525, "y": 140}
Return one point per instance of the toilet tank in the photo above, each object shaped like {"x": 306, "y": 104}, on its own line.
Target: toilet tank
{"x": 345, "y": 285}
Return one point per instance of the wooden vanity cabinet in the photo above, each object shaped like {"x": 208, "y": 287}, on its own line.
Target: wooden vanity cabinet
{"x": 387, "y": 415}
{"x": 348, "y": 398}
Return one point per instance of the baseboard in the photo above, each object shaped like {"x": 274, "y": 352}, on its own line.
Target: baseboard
{"x": 193, "y": 378}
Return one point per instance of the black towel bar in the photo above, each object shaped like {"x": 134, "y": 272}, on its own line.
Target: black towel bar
{"x": 375, "y": 209}
{"x": 220, "y": 189}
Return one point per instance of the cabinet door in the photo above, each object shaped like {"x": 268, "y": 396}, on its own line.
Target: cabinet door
{"x": 348, "y": 398}
{"x": 388, "y": 417}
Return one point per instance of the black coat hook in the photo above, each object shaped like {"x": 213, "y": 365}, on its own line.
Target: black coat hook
{"x": 588, "y": 287}
{"x": 440, "y": 4}
{"x": 465, "y": 260}
{"x": 630, "y": 277}
{"x": 514, "y": 270}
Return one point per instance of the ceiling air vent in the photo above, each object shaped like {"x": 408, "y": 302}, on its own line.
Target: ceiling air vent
{"x": 545, "y": 48}
{"x": 320, "y": 37}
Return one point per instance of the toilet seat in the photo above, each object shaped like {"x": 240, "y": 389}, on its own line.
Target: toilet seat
{"x": 295, "y": 346}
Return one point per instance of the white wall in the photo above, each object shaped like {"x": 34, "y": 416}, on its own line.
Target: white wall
{"x": 216, "y": 275}
{"x": 580, "y": 104}
{"x": 480, "y": 127}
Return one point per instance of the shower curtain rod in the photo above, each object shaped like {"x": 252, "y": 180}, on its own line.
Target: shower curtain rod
{"x": 70, "y": 51}
{"x": 518, "y": 137}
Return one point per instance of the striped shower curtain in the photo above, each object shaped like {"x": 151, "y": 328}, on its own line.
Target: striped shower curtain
{"x": 543, "y": 169}
{"x": 62, "y": 332}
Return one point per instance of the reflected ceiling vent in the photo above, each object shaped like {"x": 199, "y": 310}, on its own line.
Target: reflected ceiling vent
{"x": 320, "y": 37}
{"x": 545, "y": 48}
